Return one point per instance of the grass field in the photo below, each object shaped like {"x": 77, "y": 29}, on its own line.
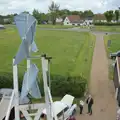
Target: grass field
{"x": 56, "y": 26}
{"x": 114, "y": 47}
{"x": 48, "y": 26}
{"x": 106, "y": 28}
{"x": 115, "y": 43}
{"x": 71, "y": 51}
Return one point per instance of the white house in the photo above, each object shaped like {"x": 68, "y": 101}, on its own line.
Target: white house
{"x": 73, "y": 20}
{"x": 59, "y": 20}
{"x": 88, "y": 20}
{"x": 113, "y": 21}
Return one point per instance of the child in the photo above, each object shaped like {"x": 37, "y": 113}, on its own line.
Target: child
{"x": 81, "y": 106}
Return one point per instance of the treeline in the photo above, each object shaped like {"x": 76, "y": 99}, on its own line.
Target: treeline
{"x": 55, "y": 12}
{"x": 112, "y": 15}
{"x": 48, "y": 17}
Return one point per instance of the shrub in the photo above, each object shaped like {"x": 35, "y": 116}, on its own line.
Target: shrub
{"x": 6, "y": 80}
{"x": 60, "y": 85}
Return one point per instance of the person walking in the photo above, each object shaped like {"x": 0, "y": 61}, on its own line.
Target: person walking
{"x": 81, "y": 106}
{"x": 90, "y": 103}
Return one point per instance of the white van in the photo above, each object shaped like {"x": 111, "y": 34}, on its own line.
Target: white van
{"x": 64, "y": 108}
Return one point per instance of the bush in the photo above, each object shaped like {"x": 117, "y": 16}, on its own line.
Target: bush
{"x": 6, "y": 80}
{"x": 60, "y": 85}
{"x": 106, "y": 23}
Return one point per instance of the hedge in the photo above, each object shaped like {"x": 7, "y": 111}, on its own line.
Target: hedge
{"x": 60, "y": 85}
{"x": 106, "y": 23}
{"x": 6, "y": 80}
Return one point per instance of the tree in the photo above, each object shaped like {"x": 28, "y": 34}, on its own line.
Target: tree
{"x": 44, "y": 17}
{"x": 117, "y": 14}
{"x": 1, "y": 20}
{"x": 26, "y": 12}
{"x": 54, "y": 8}
{"x": 63, "y": 13}
{"x": 88, "y": 13}
{"x": 37, "y": 15}
{"x": 75, "y": 12}
{"x": 109, "y": 15}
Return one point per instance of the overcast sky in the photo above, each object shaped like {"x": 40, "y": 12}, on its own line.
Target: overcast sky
{"x": 17, "y": 6}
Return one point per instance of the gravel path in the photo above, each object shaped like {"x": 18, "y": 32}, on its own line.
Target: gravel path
{"x": 101, "y": 87}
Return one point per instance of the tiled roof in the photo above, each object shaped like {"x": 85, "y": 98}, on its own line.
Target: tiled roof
{"x": 74, "y": 18}
{"x": 99, "y": 17}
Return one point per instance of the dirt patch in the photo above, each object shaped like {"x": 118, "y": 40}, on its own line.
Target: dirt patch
{"x": 101, "y": 88}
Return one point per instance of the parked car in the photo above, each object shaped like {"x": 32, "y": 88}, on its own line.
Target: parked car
{"x": 64, "y": 108}
{"x": 113, "y": 55}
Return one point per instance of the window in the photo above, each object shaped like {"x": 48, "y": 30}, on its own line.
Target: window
{"x": 60, "y": 114}
{"x": 1, "y": 97}
{"x": 67, "y": 22}
{"x": 66, "y": 19}
{"x": 66, "y": 109}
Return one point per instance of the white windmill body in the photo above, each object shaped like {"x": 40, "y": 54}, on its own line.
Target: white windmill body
{"x": 26, "y": 25}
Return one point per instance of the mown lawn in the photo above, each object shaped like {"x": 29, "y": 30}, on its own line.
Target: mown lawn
{"x": 114, "y": 47}
{"x": 71, "y": 51}
{"x": 115, "y": 42}
{"x": 106, "y": 28}
{"x": 56, "y": 26}
{"x": 47, "y": 26}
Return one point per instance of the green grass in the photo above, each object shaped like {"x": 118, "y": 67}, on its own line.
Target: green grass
{"x": 114, "y": 47}
{"x": 71, "y": 51}
{"x": 56, "y": 26}
{"x": 47, "y": 26}
{"x": 106, "y": 28}
{"x": 115, "y": 42}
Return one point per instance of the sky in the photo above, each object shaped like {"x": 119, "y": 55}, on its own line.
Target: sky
{"x": 17, "y": 6}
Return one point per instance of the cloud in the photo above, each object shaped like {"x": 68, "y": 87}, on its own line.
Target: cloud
{"x": 17, "y": 6}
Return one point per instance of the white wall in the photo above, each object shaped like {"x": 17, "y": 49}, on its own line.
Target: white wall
{"x": 59, "y": 20}
{"x": 101, "y": 21}
{"x": 88, "y": 21}
{"x": 67, "y": 22}
{"x": 113, "y": 21}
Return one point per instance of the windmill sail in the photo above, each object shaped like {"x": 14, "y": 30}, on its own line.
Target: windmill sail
{"x": 33, "y": 88}
{"x": 26, "y": 25}
{"x": 22, "y": 53}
